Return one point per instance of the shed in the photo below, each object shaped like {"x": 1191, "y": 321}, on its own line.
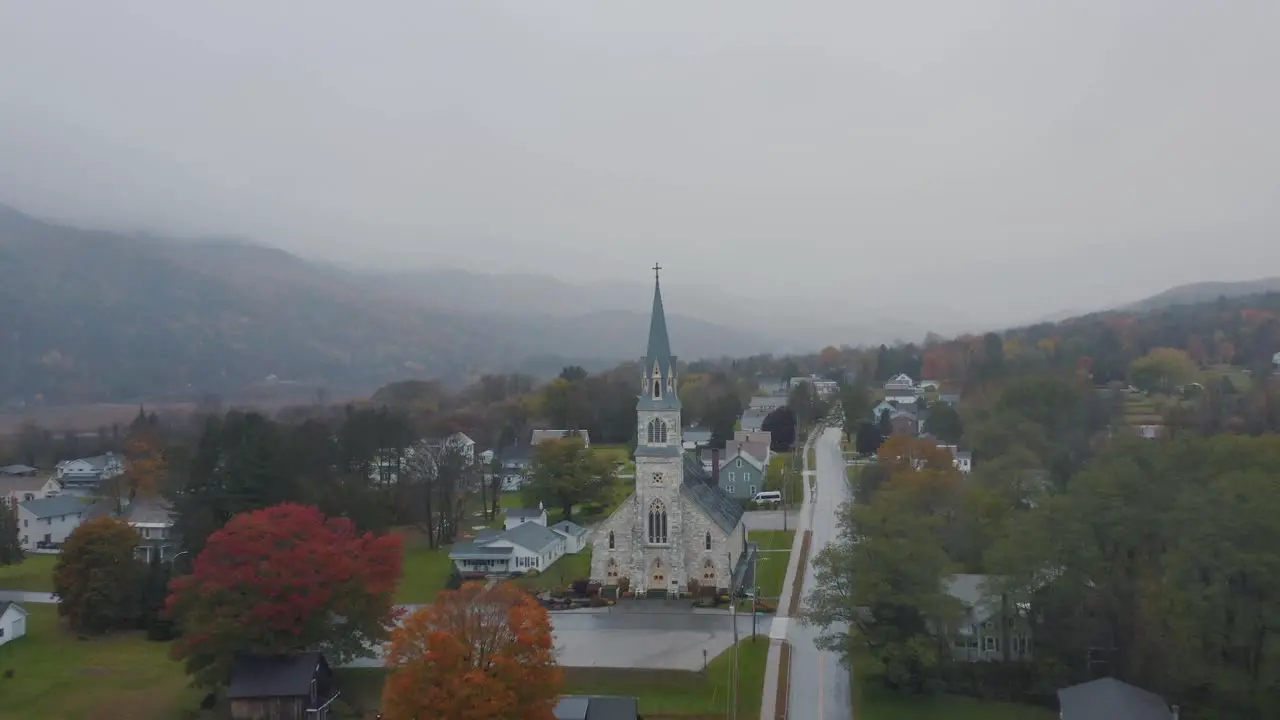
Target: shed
{"x": 281, "y": 687}
{"x": 1111, "y": 699}
{"x": 13, "y": 621}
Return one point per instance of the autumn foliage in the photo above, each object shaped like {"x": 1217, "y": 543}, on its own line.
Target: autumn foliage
{"x": 96, "y": 578}
{"x": 477, "y": 653}
{"x": 280, "y": 580}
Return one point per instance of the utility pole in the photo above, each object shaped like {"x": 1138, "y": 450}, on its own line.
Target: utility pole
{"x": 733, "y": 667}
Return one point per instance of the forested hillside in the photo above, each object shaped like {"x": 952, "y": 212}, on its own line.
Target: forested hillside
{"x": 91, "y": 316}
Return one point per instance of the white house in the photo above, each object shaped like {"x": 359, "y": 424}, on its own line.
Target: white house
{"x": 457, "y": 442}
{"x": 523, "y": 547}
{"x": 575, "y": 536}
{"x": 928, "y": 386}
{"x": 45, "y": 523}
{"x": 13, "y": 621}
{"x": 901, "y": 381}
{"x": 153, "y": 520}
{"x": 88, "y": 473}
{"x": 519, "y": 516}
{"x": 963, "y": 461}
{"x": 16, "y": 489}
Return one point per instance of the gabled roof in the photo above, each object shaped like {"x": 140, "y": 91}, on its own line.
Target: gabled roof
{"x": 723, "y": 510}
{"x": 524, "y": 512}
{"x": 531, "y": 536}
{"x": 597, "y": 707}
{"x": 149, "y": 511}
{"x": 6, "y": 604}
{"x": 753, "y": 453}
{"x": 18, "y": 470}
{"x": 55, "y": 506}
{"x": 571, "y": 529}
{"x": 22, "y": 483}
{"x": 541, "y": 436}
{"x": 1110, "y": 699}
{"x": 260, "y": 676}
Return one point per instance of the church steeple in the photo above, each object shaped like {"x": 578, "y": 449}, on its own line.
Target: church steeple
{"x": 658, "y": 371}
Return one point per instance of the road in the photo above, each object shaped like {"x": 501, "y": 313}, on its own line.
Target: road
{"x": 820, "y": 687}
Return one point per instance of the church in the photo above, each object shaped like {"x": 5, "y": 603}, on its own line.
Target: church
{"x": 677, "y": 525}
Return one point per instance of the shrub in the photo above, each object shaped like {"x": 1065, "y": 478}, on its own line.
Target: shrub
{"x": 455, "y": 579}
{"x": 580, "y": 586}
{"x": 624, "y": 584}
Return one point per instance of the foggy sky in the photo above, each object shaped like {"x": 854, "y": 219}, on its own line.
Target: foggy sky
{"x": 998, "y": 160}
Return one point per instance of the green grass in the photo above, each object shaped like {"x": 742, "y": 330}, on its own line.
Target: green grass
{"x": 425, "y": 571}
{"x": 676, "y": 693}
{"x": 772, "y": 570}
{"x": 34, "y": 574}
{"x": 119, "y": 677}
{"x": 613, "y": 453}
{"x": 874, "y": 701}
{"x": 813, "y": 459}
{"x": 562, "y": 573}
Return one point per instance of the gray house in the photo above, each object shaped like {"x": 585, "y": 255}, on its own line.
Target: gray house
{"x": 1110, "y": 699}
{"x": 742, "y": 473}
{"x": 993, "y": 626}
{"x": 753, "y": 418}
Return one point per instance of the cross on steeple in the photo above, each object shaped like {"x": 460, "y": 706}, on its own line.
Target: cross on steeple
{"x": 656, "y": 268}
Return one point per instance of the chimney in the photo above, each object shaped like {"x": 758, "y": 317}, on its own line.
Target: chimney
{"x": 1175, "y": 712}
{"x": 715, "y": 466}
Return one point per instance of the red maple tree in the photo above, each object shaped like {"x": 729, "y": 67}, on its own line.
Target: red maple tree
{"x": 281, "y": 580}
{"x": 477, "y": 653}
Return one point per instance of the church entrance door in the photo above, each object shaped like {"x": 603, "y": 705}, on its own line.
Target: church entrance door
{"x": 658, "y": 576}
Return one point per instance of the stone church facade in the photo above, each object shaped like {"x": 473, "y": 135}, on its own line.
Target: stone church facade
{"x": 676, "y": 525}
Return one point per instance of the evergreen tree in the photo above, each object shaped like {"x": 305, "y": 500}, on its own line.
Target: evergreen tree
{"x": 10, "y": 547}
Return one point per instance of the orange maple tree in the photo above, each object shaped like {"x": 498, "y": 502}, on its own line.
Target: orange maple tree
{"x": 477, "y": 653}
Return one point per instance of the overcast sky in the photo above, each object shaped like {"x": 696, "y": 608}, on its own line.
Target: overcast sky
{"x": 994, "y": 159}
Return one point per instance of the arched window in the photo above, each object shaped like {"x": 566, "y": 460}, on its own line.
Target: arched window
{"x": 610, "y": 541}
{"x": 657, "y": 431}
{"x": 657, "y": 389}
{"x": 657, "y": 523}
{"x": 708, "y": 541}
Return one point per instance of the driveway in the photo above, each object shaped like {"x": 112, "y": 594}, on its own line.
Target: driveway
{"x": 770, "y": 519}
{"x": 652, "y": 640}
{"x": 20, "y": 596}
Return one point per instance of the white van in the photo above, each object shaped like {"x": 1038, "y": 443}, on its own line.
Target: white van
{"x": 768, "y": 497}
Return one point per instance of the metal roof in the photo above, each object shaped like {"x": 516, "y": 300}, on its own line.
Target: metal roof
{"x": 531, "y": 536}
{"x": 470, "y": 549}
{"x": 716, "y": 503}
{"x": 1110, "y": 699}
{"x": 259, "y": 676}
{"x": 55, "y": 506}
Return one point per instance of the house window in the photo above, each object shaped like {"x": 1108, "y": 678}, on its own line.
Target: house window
{"x": 708, "y": 541}
{"x": 729, "y": 487}
{"x": 657, "y": 523}
{"x": 731, "y": 477}
{"x": 739, "y": 462}
{"x": 611, "y": 541}
{"x": 991, "y": 644}
{"x": 657, "y": 431}
{"x": 753, "y": 491}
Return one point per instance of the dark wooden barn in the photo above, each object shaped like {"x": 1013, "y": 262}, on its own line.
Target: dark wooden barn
{"x": 281, "y": 687}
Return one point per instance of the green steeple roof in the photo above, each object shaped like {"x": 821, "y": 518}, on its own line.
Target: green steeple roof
{"x": 659, "y": 354}
{"x": 659, "y": 345}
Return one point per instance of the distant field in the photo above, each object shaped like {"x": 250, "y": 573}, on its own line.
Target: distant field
{"x": 91, "y": 417}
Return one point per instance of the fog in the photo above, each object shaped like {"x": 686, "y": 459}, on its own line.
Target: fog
{"x": 983, "y": 160}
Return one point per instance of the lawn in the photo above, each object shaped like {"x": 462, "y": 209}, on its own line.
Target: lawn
{"x": 562, "y": 573}
{"x": 425, "y": 570}
{"x": 34, "y": 574}
{"x": 677, "y": 693}
{"x": 120, "y": 677}
{"x": 772, "y": 570}
{"x": 873, "y": 701}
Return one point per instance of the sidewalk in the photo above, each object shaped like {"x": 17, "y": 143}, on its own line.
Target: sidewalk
{"x": 781, "y": 622}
